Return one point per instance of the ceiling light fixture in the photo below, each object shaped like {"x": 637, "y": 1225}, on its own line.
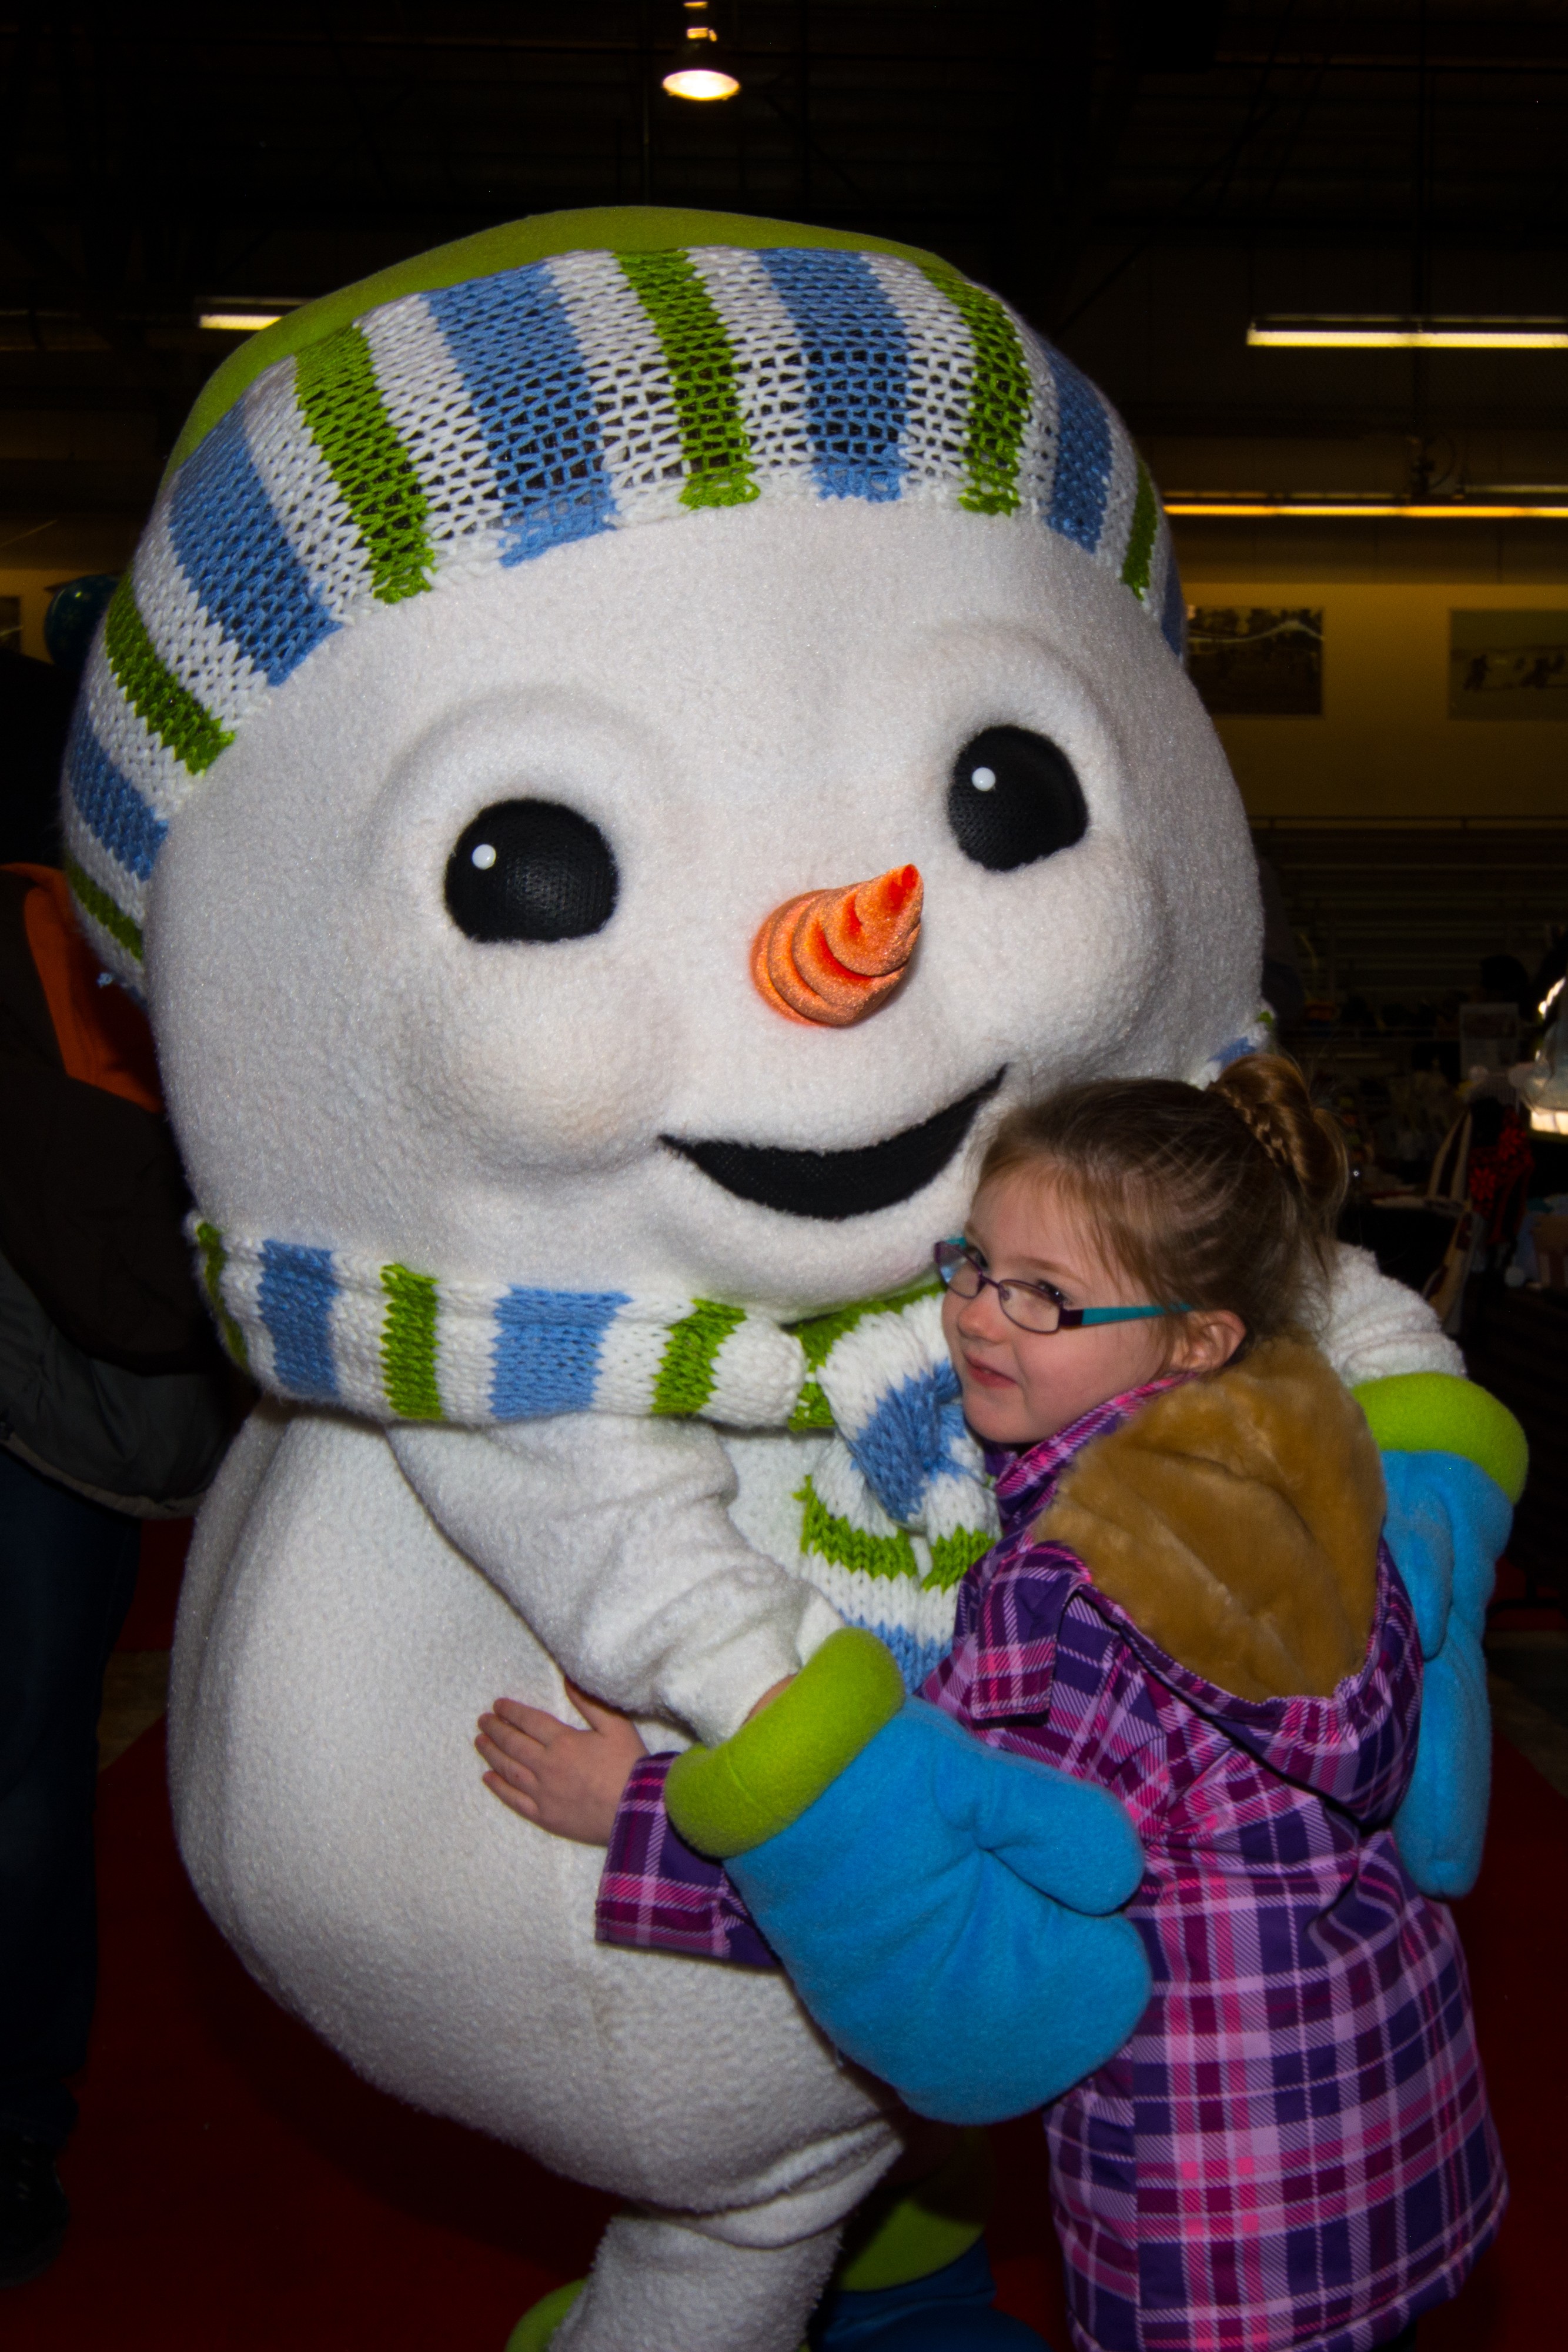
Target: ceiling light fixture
{"x": 701, "y": 68}
{"x": 1345, "y": 333}
{"x": 239, "y": 322}
{"x": 1408, "y": 511}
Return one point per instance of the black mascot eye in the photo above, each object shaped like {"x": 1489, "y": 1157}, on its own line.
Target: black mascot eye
{"x": 1014, "y": 798}
{"x": 530, "y": 870}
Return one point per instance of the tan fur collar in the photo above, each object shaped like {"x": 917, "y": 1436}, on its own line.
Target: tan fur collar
{"x": 1236, "y": 1519}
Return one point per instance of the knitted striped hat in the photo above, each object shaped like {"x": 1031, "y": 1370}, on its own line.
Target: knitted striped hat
{"x": 575, "y": 373}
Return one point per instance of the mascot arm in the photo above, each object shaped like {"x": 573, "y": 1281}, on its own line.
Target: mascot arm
{"x": 947, "y": 1911}
{"x": 1454, "y": 1463}
{"x": 612, "y": 1539}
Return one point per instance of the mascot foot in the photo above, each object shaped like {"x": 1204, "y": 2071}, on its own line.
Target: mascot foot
{"x": 533, "y": 2331}
{"x": 949, "y": 2311}
{"x": 661, "y": 2285}
{"x": 915, "y": 2275}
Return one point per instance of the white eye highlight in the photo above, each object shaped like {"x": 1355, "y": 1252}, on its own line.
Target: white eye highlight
{"x": 483, "y": 856}
{"x": 983, "y": 779}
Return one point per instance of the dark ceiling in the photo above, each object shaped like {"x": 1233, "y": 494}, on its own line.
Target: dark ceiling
{"x": 1140, "y": 178}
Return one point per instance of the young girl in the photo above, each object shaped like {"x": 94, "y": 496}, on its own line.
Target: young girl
{"x": 1190, "y": 1605}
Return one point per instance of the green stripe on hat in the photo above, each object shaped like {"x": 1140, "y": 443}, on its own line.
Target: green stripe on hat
{"x": 1000, "y": 394}
{"x": 408, "y": 1344}
{"x": 97, "y": 903}
{"x": 1141, "y": 538}
{"x": 170, "y": 709}
{"x": 596, "y": 228}
{"x": 685, "y": 1374}
{"x": 339, "y": 400}
{"x": 701, "y": 361}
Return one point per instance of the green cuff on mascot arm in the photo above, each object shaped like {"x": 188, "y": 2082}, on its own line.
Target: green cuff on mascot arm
{"x": 724, "y": 1800}
{"x": 1454, "y": 1465}
{"x": 945, "y": 1910}
{"x": 1435, "y": 1413}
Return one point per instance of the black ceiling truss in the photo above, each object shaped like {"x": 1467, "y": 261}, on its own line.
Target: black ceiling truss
{"x": 1270, "y": 153}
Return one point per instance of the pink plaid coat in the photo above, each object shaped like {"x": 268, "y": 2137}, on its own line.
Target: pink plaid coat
{"x": 1293, "y": 2149}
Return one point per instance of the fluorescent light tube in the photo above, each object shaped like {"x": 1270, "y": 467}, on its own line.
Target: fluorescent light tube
{"x": 1258, "y": 510}
{"x": 238, "y": 322}
{"x": 1410, "y": 334}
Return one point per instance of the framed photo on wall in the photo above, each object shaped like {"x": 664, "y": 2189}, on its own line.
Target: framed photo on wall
{"x": 1258, "y": 661}
{"x": 1508, "y": 665}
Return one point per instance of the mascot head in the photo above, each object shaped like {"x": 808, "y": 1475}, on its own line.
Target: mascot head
{"x": 626, "y": 742}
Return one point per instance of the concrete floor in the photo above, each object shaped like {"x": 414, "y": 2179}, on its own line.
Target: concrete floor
{"x": 1528, "y": 1679}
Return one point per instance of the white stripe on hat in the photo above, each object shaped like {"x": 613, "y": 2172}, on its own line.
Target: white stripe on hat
{"x": 1042, "y": 434}
{"x": 305, "y": 498}
{"x": 1121, "y": 494}
{"x": 941, "y": 361}
{"x": 191, "y": 646}
{"x": 772, "y": 388}
{"x": 640, "y": 427}
{"x": 427, "y": 399}
{"x": 100, "y": 864}
{"x": 141, "y": 758}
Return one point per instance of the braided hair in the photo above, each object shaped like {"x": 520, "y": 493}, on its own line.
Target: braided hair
{"x": 1223, "y": 1198}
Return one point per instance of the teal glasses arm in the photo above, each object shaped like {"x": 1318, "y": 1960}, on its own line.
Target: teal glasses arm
{"x": 1118, "y": 1314}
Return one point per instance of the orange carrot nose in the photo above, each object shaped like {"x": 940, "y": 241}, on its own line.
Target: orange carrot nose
{"x": 834, "y": 956}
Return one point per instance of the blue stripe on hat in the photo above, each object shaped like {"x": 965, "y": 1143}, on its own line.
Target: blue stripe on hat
{"x": 857, "y": 369}
{"x": 232, "y": 550}
{"x": 108, "y": 803}
{"x": 1173, "y": 619}
{"x": 297, "y": 1288}
{"x": 1082, "y": 480}
{"x": 511, "y": 342}
{"x": 547, "y": 1350}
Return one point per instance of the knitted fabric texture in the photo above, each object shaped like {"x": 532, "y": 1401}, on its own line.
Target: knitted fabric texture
{"x": 481, "y": 425}
{"x": 896, "y": 1510}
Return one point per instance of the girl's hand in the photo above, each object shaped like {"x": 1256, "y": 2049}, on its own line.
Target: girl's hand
{"x": 569, "y": 1781}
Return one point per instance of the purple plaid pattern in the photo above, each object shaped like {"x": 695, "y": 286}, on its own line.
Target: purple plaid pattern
{"x": 655, "y": 1892}
{"x": 1293, "y": 2149}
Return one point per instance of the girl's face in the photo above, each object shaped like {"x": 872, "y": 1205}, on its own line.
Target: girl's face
{"x": 1021, "y": 1386}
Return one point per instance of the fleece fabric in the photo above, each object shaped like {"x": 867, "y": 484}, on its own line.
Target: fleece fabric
{"x": 333, "y": 1654}
{"x": 325, "y": 669}
{"x": 939, "y": 1909}
{"x": 1447, "y": 1522}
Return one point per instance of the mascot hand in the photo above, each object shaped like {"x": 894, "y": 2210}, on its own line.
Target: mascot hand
{"x": 1454, "y": 1463}
{"x": 940, "y": 1905}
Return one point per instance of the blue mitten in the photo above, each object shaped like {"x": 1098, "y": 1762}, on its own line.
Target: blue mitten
{"x": 938, "y": 1904}
{"x": 1446, "y": 1523}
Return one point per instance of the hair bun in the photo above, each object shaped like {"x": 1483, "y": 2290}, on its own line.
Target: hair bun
{"x": 1269, "y": 1097}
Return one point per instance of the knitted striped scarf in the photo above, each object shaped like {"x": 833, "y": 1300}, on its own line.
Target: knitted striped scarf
{"x": 894, "y": 1510}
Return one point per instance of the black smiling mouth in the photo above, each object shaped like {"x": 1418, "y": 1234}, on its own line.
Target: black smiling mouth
{"x": 833, "y": 1185}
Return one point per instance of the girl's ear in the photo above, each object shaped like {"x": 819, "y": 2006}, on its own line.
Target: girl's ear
{"x": 1207, "y": 1340}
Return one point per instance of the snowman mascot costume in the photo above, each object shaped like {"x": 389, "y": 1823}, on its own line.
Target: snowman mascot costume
{"x": 626, "y": 742}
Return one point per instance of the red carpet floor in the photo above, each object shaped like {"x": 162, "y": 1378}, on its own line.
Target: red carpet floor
{"x": 237, "y": 2189}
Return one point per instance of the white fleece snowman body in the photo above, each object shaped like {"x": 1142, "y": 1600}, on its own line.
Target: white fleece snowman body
{"x": 494, "y": 666}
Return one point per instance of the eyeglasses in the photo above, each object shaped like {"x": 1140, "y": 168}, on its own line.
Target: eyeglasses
{"x": 1030, "y": 1305}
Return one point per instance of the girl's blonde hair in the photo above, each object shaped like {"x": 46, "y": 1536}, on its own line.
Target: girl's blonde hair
{"x": 1223, "y": 1198}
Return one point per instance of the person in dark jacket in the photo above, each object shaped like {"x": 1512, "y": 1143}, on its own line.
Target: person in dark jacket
{"x": 114, "y": 1408}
